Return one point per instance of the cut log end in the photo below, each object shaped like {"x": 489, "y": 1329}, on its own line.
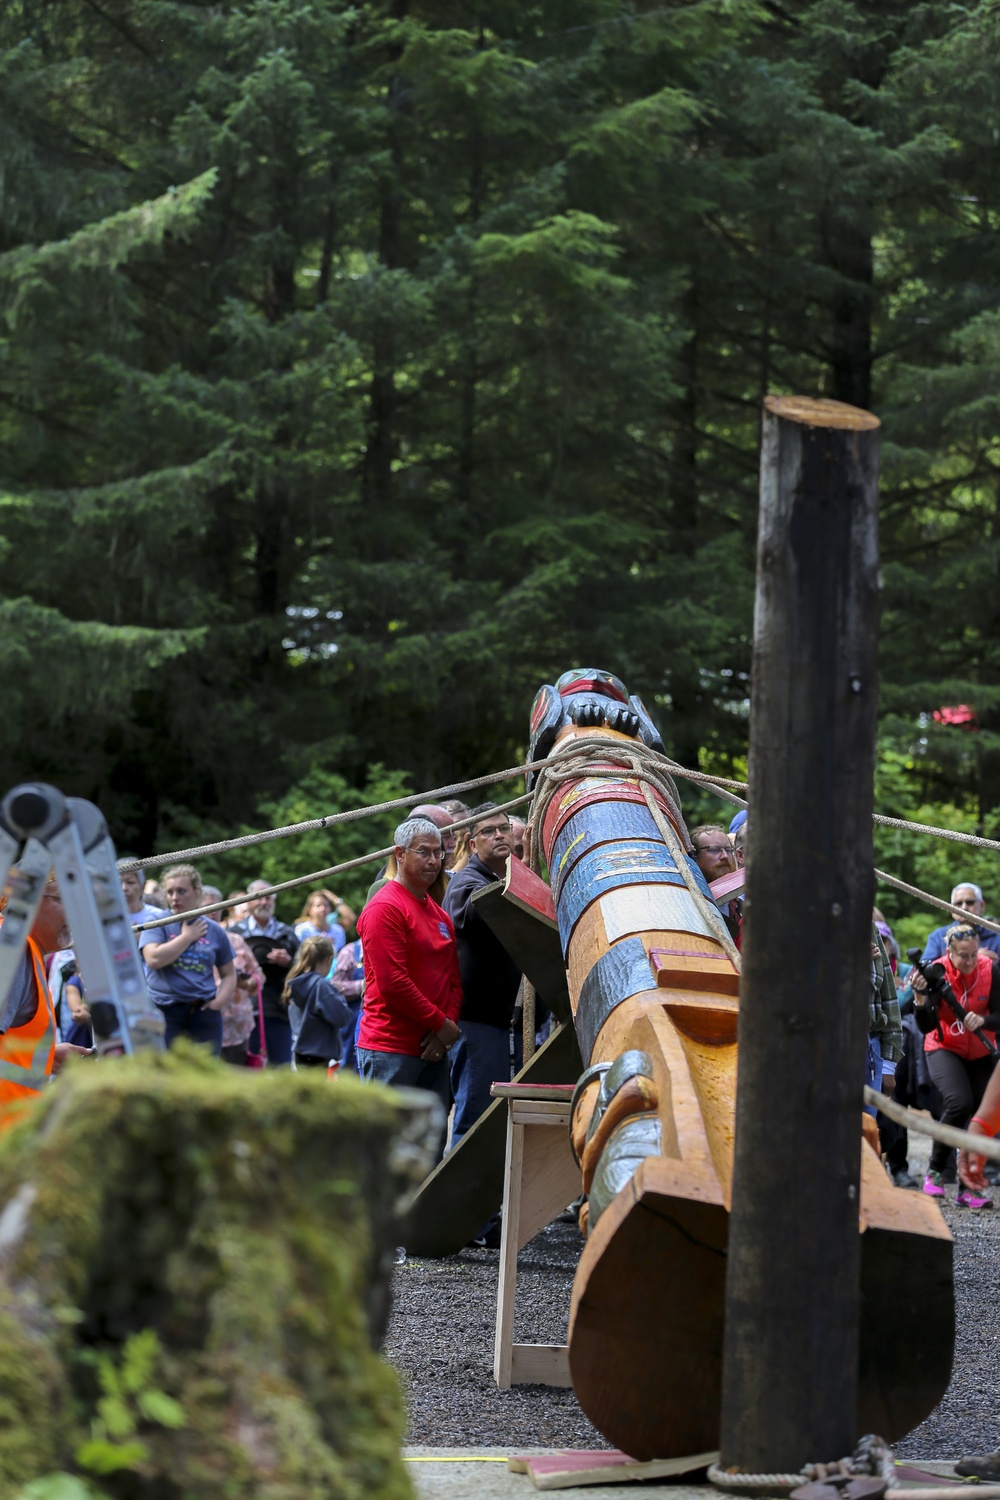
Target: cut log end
{"x": 814, "y": 411}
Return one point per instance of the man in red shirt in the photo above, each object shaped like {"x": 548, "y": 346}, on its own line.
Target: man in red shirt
{"x": 413, "y": 990}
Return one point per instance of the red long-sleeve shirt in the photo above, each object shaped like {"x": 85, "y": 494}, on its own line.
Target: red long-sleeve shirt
{"x": 412, "y": 983}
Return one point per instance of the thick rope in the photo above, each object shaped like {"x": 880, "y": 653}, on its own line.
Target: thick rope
{"x": 948, "y": 1135}
{"x": 244, "y": 841}
{"x": 527, "y": 1021}
{"x": 872, "y": 1456}
{"x": 576, "y": 759}
{"x": 929, "y": 900}
{"x": 376, "y": 856}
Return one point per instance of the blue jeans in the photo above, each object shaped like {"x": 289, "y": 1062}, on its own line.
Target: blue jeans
{"x": 349, "y": 1054}
{"x": 873, "y": 1070}
{"x": 400, "y": 1071}
{"x": 203, "y": 1026}
{"x": 480, "y": 1057}
{"x": 278, "y": 1036}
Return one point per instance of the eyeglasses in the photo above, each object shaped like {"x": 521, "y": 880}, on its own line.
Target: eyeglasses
{"x": 493, "y": 833}
{"x": 425, "y": 853}
{"x": 714, "y": 849}
{"x": 966, "y": 901}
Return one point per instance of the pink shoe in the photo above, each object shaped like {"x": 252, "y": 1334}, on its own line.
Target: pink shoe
{"x": 932, "y": 1185}
{"x": 968, "y": 1199}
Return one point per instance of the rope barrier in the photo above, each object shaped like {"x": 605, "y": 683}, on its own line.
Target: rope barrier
{"x": 929, "y": 900}
{"x": 312, "y": 825}
{"x": 948, "y": 1135}
{"x": 288, "y": 885}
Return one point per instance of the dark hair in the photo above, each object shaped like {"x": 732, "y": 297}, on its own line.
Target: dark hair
{"x": 481, "y": 813}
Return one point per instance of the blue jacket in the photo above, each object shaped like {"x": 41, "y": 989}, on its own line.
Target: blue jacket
{"x": 317, "y": 1014}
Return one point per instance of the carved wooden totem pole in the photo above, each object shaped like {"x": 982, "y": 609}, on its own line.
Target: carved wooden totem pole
{"x": 653, "y": 982}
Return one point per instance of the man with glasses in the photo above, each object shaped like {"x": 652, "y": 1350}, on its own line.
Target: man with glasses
{"x": 490, "y": 977}
{"x": 714, "y": 855}
{"x": 970, "y": 898}
{"x": 413, "y": 992}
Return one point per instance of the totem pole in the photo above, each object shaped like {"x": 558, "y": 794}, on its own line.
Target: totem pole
{"x": 653, "y": 979}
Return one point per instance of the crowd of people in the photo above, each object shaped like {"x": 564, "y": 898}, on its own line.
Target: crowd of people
{"x": 417, "y": 991}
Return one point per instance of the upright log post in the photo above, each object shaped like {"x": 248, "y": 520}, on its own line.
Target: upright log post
{"x": 790, "y": 1354}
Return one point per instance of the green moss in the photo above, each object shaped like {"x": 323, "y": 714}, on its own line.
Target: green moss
{"x": 247, "y": 1219}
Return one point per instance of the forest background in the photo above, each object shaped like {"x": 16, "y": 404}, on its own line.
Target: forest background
{"x": 364, "y": 366}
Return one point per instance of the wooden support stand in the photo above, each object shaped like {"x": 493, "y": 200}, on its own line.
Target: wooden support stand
{"x": 540, "y": 1178}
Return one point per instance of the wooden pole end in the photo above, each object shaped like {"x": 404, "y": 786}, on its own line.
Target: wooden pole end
{"x": 814, "y": 411}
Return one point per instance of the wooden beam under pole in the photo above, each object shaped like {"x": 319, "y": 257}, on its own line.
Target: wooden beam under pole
{"x": 790, "y": 1353}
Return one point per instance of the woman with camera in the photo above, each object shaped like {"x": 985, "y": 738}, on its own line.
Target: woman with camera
{"x": 957, "y": 1059}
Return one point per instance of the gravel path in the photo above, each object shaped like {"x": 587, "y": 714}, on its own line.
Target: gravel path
{"x": 440, "y": 1340}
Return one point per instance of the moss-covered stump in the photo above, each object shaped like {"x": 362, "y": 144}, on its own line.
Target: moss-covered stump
{"x": 194, "y": 1265}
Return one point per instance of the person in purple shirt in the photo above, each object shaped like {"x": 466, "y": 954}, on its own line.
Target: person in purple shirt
{"x": 181, "y": 959}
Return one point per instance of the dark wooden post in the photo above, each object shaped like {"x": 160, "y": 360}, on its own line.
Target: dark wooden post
{"x": 790, "y": 1362}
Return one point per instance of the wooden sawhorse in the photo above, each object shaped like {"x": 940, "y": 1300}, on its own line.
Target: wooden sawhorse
{"x": 540, "y": 1178}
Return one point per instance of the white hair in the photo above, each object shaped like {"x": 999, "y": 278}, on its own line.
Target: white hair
{"x": 414, "y": 828}
{"x": 967, "y": 885}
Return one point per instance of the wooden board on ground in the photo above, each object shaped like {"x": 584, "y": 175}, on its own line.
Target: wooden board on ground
{"x": 578, "y": 1466}
{"x": 532, "y": 942}
{"x": 467, "y": 1186}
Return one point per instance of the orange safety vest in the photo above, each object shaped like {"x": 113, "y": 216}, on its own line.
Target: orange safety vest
{"x": 27, "y": 1052}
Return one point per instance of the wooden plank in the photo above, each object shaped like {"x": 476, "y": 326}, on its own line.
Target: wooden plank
{"x": 685, "y": 968}
{"x": 540, "y": 1364}
{"x": 509, "y": 1243}
{"x": 728, "y": 887}
{"x": 540, "y": 1111}
{"x": 554, "y": 1091}
{"x": 467, "y": 1186}
{"x": 550, "y": 1177}
{"x": 526, "y": 889}
{"x": 532, "y": 942}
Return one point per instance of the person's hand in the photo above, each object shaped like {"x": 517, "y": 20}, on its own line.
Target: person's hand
{"x": 972, "y": 1021}
{"x": 888, "y": 1084}
{"x": 971, "y": 1165}
{"x": 448, "y": 1034}
{"x": 919, "y": 984}
{"x": 432, "y": 1050}
{"x": 280, "y": 956}
{"x": 195, "y": 930}
{"x": 66, "y": 1050}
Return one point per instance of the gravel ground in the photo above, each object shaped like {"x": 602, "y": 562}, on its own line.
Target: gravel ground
{"x": 968, "y": 1419}
{"x": 440, "y": 1340}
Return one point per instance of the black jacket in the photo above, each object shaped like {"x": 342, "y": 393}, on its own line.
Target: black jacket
{"x": 275, "y": 935}
{"x": 321, "y": 1013}
{"x": 490, "y": 977}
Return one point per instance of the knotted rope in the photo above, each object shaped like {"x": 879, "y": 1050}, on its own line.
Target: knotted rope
{"x": 602, "y": 758}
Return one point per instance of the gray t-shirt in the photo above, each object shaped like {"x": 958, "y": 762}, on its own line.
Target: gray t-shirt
{"x": 22, "y": 1001}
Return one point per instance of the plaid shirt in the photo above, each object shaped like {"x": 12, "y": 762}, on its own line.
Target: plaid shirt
{"x": 884, "y": 1020}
